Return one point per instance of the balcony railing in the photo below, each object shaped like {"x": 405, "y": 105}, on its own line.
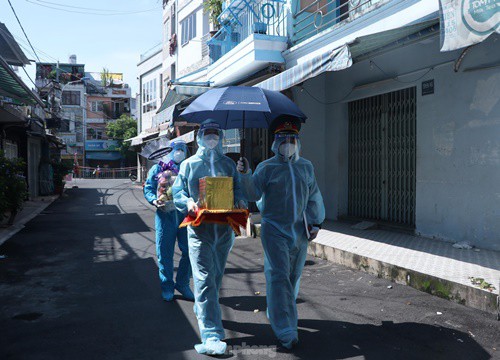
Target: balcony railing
{"x": 149, "y": 53}
{"x": 245, "y": 17}
{"x": 310, "y": 17}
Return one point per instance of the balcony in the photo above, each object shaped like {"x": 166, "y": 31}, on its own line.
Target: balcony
{"x": 310, "y": 17}
{"x": 253, "y": 34}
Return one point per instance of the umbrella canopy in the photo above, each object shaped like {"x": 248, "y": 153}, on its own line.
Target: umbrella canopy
{"x": 241, "y": 107}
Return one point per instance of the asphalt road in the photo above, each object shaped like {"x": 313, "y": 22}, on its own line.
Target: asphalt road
{"x": 80, "y": 282}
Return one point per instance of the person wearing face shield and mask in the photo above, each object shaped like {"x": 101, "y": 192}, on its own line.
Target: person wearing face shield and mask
{"x": 167, "y": 221}
{"x": 292, "y": 211}
{"x": 209, "y": 244}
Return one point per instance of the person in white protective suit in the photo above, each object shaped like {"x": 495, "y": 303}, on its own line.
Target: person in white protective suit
{"x": 292, "y": 211}
{"x": 209, "y": 244}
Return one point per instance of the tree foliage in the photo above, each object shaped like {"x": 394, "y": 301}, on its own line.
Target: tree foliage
{"x": 123, "y": 128}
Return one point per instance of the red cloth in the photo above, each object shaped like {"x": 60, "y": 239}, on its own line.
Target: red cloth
{"x": 234, "y": 218}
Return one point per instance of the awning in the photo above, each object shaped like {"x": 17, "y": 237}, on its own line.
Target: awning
{"x": 136, "y": 140}
{"x": 343, "y": 57}
{"x": 189, "y": 90}
{"x": 13, "y": 87}
{"x": 187, "y": 137}
{"x": 171, "y": 98}
{"x": 139, "y": 139}
{"x": 166, "y": 116}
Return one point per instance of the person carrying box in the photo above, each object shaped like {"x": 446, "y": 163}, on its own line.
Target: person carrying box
{"x": 209, "y": 244}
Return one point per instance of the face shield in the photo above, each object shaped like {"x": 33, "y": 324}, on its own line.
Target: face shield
{"x": 287, "y": 145}
{"x": 179, "y": 151}
{"x": 211, "y": 138}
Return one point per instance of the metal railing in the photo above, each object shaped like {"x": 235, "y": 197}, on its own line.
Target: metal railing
{"x": 312, "y": 17}
{"x": 149, "y": 53}
{"x": 242, "y": 18}
{"x": 85, "y": 172}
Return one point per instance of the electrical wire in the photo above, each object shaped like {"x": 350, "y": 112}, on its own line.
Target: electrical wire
{"x": 75, "y": 7}
{"x": 21, "y": 25}
{"x": 328, "y": 102}
{"x": 395, "y": 78}
{"x": 372, "y": 63}
{"x": 29, "y": 77}
{"x": 92, "y": 13}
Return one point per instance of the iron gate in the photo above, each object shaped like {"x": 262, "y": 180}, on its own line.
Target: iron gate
{"x": 382, "y": 144}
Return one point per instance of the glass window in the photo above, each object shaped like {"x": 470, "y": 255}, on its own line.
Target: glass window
{"x": 188, "y": 26}
{"x": 71, "y": 98}
{"x": 96, "y": 106}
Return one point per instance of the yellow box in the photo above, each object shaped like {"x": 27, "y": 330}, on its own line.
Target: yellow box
{"x": 216, "y": 193}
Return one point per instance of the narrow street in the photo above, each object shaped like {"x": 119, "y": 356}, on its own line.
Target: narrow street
{"x": 80, "y": 282}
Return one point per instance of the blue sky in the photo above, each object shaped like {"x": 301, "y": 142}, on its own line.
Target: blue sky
{"x": 113, "y": 40}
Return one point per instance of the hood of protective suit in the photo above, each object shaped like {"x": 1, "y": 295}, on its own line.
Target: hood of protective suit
{"x": 203, "y": 150}
{"x": 170, "y": 161}
{"x": 280, "y": 139}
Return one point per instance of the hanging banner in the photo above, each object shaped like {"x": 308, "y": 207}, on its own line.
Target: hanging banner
{"x": 467, "y": 22}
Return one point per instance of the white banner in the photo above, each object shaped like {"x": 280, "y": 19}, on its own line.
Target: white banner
{"x": 467, "y": 22}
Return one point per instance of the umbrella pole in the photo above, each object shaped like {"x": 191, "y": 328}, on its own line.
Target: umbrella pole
{"x": 242, "y": 140}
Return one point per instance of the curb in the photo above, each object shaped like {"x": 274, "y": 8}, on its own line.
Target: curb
{"x": 446, "y": 289}
{"x": 23, "y": 220}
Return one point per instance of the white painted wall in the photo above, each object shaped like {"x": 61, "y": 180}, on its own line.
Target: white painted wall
{"x": 189, "y": 56}
{"x": 148, "y": 70}
{"x": 458, "y": 137}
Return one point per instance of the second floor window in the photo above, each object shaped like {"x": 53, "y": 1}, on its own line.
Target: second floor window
{"x": 149, "y": 96}
{"x": 71, "y": 98}
{"x": 96, "y": 106}
{"x": 188, "y": 28}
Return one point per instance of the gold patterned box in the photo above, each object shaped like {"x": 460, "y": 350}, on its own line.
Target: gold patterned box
{"x": 216, "y": 193}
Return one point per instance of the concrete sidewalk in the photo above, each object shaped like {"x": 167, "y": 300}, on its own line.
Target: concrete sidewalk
{"x": 31, "y": 209}
{"x": 429, "y": 265}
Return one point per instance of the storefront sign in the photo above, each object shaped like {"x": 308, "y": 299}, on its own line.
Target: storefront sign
{"x": 427, "y": 87}
{"x": 467, "y": 22}
{"x": 101, "y": 145}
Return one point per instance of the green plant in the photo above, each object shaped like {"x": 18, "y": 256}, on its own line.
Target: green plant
{"x": 213, "y": 8}
{"x": 123, "y": 128}
{"x": 13, "y": 188}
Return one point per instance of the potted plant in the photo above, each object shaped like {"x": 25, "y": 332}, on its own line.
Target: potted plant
{"x": 13, "y": 188}
{"x": 213, "y": 8}
{"x": 60, "y": 170}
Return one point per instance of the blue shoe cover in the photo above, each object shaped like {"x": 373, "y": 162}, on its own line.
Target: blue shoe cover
{"x": 185, "y": 291}
{"x": 290, "y": 344}
{"x": 212, "y": 346}
{"x": 167, "y": 295}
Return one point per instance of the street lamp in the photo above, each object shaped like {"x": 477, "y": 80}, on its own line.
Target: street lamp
{"x": 84, "y": 116}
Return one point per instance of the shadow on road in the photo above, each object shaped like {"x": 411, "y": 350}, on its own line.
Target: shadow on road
{"x": 75, "y": 286}
{"x": 326, "y": 339}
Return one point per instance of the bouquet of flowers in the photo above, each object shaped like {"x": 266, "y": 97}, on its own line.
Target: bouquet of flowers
{"x": 164, "y": 190}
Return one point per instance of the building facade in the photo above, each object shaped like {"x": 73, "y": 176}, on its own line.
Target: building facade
{"x": 402, "y": 129}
